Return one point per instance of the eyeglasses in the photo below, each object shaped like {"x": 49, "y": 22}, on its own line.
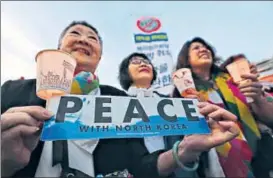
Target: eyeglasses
{"x": 138, "y": 60}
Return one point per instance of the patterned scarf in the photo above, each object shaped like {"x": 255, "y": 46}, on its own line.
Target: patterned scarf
{"x": 84, "y": 83}
{"x": 236, "y": 155}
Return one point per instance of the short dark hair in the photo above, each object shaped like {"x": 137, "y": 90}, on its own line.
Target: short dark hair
{"x": 183, "y": 59}
{"x": 231, "y": 59}
{"x": 183, "y": 56}
{"x": 124, "y": 78}
{"x": 73, "y": 23}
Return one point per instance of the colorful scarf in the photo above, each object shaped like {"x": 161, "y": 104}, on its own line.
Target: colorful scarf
{"x": 235, "y": 156}
{"x": 84, "y": 83}
{"x": 269, "y": 97}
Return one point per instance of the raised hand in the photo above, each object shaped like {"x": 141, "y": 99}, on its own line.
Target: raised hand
{"x": 20, "y": 132}
{"x": 223, "y": 129}
{"x": 252, "y": 88}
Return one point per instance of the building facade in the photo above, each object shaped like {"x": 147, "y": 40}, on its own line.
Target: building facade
{"x": 265, "y": 68}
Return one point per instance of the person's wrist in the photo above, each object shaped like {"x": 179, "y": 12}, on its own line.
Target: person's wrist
{"x": 182, "y": 161}
{"x": 186, "y": 155}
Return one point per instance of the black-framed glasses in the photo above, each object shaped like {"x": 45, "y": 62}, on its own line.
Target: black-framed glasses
{"x": 138, "y": 60}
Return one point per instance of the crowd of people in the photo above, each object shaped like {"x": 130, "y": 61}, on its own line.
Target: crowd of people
{"x": 240, "y": 143}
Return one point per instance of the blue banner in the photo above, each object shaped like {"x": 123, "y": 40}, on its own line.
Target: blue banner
{"x": 89, "y": 117}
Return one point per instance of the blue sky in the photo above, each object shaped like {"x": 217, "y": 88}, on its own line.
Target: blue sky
{"x": 231, "y": 27}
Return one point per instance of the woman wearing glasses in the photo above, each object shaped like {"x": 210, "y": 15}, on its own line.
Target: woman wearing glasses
{"x": 136, "y": 75}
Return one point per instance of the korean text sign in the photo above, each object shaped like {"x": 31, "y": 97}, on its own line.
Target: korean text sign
{"x": 152, "y": 40}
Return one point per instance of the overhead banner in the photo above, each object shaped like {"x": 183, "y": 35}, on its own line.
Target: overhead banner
{"x": 98, "y": 117}
{"x": 151, "y": 39}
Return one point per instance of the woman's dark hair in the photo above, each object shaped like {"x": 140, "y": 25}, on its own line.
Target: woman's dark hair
{"x": 125, "y": 79}
{"x": 230, "y": 60}
{"x": 183, "y": 56}
{"x": 84, "y": 23}
{"x": 183, "y": 59}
